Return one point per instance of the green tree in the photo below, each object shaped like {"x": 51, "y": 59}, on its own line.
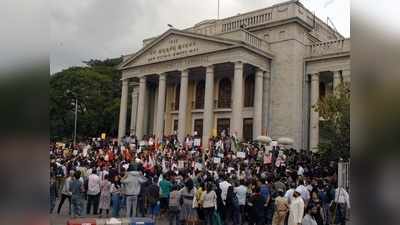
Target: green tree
{"x": 97, "y": 88}
{"x": 335, "y": 127}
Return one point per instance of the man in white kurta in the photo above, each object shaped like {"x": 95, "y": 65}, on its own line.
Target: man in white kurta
{"x": 296, "y": 209}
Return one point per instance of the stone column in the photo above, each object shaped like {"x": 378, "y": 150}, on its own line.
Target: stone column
{"x": 159, "y": 129}
{"x": 336, "y": 81}
{"x": 314, "y": 116}
{"x": 346, "y": 76}
{"x": 237, "y": 103}
{"x": 258, "y": 103}
{"x": 266, "y": 103}
{"x": 141, "y": 105}
{"x": 134, "y": 110}
{"x": 208, "y": 115}
{"x": 183, "y": 105}
{"x": 123, "y": 109}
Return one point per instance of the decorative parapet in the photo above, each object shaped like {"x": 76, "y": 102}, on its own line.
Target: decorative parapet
{"x": 329, "y": 47}
{"x": 254, "y": 40}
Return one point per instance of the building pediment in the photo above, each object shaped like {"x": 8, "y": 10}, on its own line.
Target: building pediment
{"x": 175, "y": 44}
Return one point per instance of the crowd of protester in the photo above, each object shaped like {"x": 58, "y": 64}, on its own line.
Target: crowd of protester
{"x": 225, "y": 182}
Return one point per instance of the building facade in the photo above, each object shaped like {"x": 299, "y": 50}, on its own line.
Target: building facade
{"x": 257, "y": 73}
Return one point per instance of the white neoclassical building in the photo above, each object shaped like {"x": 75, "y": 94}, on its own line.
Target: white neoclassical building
{"x": 257, "y": 73}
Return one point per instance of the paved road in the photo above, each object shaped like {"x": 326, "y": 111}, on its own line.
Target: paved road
{"x": 63, "y": 217}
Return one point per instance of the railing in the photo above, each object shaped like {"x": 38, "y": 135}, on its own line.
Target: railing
{"x": 252, "y": 39}
{"x": 330, "y": 47}
{"x": 222, "y": 104}
{"x": 246, "y": 20}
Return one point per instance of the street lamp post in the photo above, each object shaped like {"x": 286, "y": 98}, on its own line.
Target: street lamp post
{"x": 76, "y": 118}
{"x": 76, "y": 114}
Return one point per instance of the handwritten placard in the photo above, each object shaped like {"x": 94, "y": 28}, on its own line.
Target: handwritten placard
{"x": 198, "y": 166}
{"x": 241, "y": 155}
{"x": 181, "y": 164}
{"x": 197, "y": 142}
{"x": 217, "y": 160}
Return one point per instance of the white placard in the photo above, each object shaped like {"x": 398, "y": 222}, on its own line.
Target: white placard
{"x": 197, "y": 142}
{"x": 85, "y": 150}
{"x": 268, "y": 147}
{"x": 142, "y": 143}
{"x": 230, "y": 169}
{"x": 274, "y": 143}
{"x": 241, "y": 155}
{"x": 217, "y": 160}
{"x": 198, "y": 166}
{"x": 122, "y": 148}
{"x": 181, "y": 164}
{"x": 220, "y": 155}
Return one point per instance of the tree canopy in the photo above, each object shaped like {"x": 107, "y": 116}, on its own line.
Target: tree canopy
{"x": 97, "y": 88}
{"x": 335, "y": 127}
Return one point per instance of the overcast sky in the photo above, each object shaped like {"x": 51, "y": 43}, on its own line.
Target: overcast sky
{"x": 100, "y": 29}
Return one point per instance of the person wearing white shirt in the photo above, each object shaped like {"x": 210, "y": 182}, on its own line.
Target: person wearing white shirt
{"x": 93, "y": 192}
{"x": 342, "y": 201}
{"x": 300, "y": 171}
{"x": 289, "y": 192}
{"x": 303, "y": 190}
{"x": 241, "y": 192}
{"x": 224, "y": 188}
{"x": 296, "y": 209}
{"x": 103, "y": 173}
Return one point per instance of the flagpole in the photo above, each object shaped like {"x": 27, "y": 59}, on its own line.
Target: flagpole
{"x": 218, "y": 9}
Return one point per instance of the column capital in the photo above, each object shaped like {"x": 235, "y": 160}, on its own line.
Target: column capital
{"x": 162, "y": 76}
{"x": 238, "y": 65}
{"x": 142, "y": 79}
{"x": 315, "y": 77}
{"x": 259, "y": 72}
{"x": 184, "y": 72}
{"x": 345, "y": 72}
{"x": 267, "y": 75}
{"x": 336, "y": 74}
{"x": 135, "y": 91}
{"x": 209, "y": 68}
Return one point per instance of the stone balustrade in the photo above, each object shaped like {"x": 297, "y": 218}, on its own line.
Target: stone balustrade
{"x": 329, "y": 47}
{"x": 254, "y": 40}
{"x": 246, "y": 20}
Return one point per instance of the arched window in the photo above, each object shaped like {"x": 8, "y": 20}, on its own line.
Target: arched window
{"x": 249, "y": 91}
{"x": 177, "y": 94}
{"x": 224, "y": 93}
{"x": 200, "y": 86}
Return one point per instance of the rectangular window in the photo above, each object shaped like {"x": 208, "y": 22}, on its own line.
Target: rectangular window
{"x": 247, "y": 129}
{"x": 198, "y": 127}
{"x": 175, "y": 128}
{"x": 223, "y": 124}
